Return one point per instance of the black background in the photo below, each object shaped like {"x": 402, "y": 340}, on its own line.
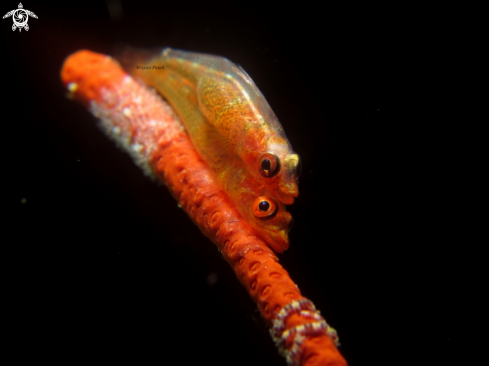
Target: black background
{"x": 101, "y": 264}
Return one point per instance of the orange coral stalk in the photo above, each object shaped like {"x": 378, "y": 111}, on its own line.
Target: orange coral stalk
{"x": 146, "y": 127}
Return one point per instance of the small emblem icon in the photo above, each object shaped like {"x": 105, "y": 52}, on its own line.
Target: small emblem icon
{"x": 20, "y": 17}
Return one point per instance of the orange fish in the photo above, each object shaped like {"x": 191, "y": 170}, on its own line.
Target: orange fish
{"x": 232, "y": 103}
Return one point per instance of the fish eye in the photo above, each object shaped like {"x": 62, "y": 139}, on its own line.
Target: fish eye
{"x": 268, "y": 164}
{"x": 264, "y": 207}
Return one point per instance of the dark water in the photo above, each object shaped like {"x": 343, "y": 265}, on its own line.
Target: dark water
{"x": 384, "y": 242}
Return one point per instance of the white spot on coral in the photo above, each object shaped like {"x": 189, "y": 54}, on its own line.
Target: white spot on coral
{"x": 137, "y": 147}
{"x": 126, "y": 112}
{"x": 116, "y": 130}
{"x": 72, "y": 87}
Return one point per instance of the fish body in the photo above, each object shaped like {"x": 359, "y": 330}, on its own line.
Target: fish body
{"x": 266, "y": 215}
{"x": 232, "y": 103}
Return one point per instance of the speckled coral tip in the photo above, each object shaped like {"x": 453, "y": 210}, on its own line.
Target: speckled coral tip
{"x": 84, "y": 73}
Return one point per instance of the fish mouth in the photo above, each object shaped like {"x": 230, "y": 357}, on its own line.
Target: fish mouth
{"x": 278, "y": 241}
{"x": 288, "y": 192}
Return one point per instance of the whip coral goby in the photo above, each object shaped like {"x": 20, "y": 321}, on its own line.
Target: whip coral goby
{"x": 146, "y": 127}
{"x": 233, "y": 104}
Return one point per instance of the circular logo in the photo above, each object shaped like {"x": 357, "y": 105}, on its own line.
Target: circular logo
{"x": 20, "y": 17}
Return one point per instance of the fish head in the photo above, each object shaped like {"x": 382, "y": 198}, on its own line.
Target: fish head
{"x": 270, "y": 219}
{"x": 280, "y": 168}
